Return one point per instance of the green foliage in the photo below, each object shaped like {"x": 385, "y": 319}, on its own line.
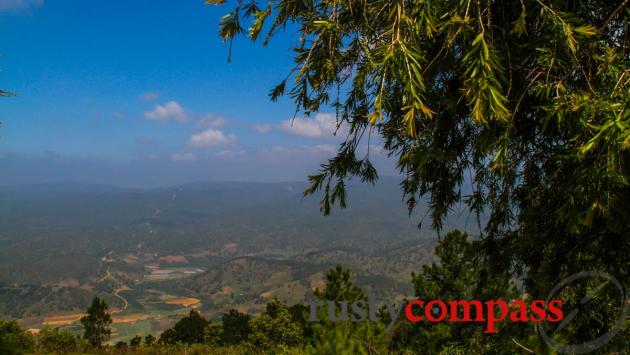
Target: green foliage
{"x": 454, "y": 350}
{"x": 275, "y": 327}
{"x": 213, "y": 334}
{"x": 339, "y": 287}
{"x": 523, "y": 103}
{"x": 300, "y": 315}
{"x": 168, "y": 337}
{"x": 486, "y": 69}
{"x": 4, "y": 93}
{"x": 345, "y": 337}
{"x": 149, "y": 340}
{"x": 461, "y": 274}
{"x": 350, "y": 338}
{"x": 96, "y": 323}
{"x": 135, "y": 341}
{"x": 235, "y": 327}
{"x": 120, "y": 346}
{"x": 55, "y": 340}
{"x": 14, "y": 339}
{"x": 188, "y": 330}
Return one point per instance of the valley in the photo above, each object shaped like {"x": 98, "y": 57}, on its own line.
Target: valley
{"x": 154, "y": 254}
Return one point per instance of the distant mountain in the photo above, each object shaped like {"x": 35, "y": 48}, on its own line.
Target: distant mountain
{"x": 53, "y": 190}
{"x": 101, "y": 239}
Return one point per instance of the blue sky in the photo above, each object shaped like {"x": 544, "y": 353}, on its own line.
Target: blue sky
{"x": 139, "y": 93}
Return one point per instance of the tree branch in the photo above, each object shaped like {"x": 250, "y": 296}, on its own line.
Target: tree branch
{"x": 523, "y": 347}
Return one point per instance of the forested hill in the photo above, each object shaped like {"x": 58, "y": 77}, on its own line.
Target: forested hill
{"x": 40, "y": 222}
{"x": 62, "y": 243}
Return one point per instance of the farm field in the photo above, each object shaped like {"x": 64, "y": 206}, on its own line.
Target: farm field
{"x": 159, "y": 311}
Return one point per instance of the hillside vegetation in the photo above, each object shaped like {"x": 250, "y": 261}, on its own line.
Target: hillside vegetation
{"x": 152, "y": 254}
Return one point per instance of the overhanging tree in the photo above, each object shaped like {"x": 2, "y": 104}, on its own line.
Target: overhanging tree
{"x": 522, "y": 102}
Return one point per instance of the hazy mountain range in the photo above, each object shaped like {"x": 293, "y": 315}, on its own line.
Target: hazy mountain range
{"x": 220, "y": 245}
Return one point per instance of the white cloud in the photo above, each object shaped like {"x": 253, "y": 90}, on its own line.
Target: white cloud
{"x": 318, "y": 149}
{"x": 229, "y": 153}
{"x": 302, "y": 127}
{"x": 211, "y": 121}
{"x": 211, "y": 137}
{"x": 170, "y": 111}
{"x": 183, "y": 157}
{"x": 323, "y": 125}
{"x": 325, "y": 148}
{"x": 262, "y": 128}
{"x": 378, "y": 149}
{"x": 150, "y": 96}
{"x": 19, "y": 5}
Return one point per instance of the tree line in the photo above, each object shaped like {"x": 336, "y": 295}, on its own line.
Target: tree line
{"x": 283, "y": 328}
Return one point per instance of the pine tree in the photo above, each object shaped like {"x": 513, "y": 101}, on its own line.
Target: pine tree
{"x": 235, "y": 327}
{"x": 135, "y": 341}
{"x": 149, "y": 340}
{"x": 96, "y": 323}
{"x": 188, "y": 330}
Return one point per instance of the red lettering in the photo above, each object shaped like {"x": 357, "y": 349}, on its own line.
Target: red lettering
{"x": 555, "y": 308}
{"x": 409, "y": 311}
{"x": 492, "y": 318}
{"x": 428, "y": 311}
{"x": 538, "y": 311}
{"x": 520, "y": 313}
{"x": 473, "y": 311}
{"x": 466, "y": 314}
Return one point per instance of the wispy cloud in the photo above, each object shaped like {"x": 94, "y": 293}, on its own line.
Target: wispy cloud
{"x": 150, "y": 96}
{"x": 318, "y": 149}
{"x": 211, "y": 121}
{"x": 19, "y": 5}
{"x": 323, "y": 125}
{"x": 262, "y": 128}
{"x": 171, "y": 111}
{"x": 183, "y": 157}
{"x": 324, "y": 148}
{"x": 230, "y": 153}
{"x": 211, "y": 137}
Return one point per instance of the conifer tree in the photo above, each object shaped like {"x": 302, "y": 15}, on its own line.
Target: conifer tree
{"x": 96, "y": 323}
